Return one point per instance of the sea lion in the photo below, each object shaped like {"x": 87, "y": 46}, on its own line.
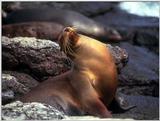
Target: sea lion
{"x": 83, "y": 24}
{"x": 89, "y": 86}
{"x": 40, "y": 30}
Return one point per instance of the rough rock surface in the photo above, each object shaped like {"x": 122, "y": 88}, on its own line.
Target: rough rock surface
{"x": 139, "y": 77}
{"x": 95, "y": 118}
{"x": 43, "y": 57}
{"x": 120, "y": 56}
{"x": 86, "y": 8}
{"x": 147, "y": 108}
{"x": 141, "y": 74}
{"x": 15, "y": 84}
{"x": 23, "y": 78}
{"x": 142, "y": 31}
{"x": 38, "y": 111}
{"x": 30, "y": 111}
{"x": 40, "y": 57}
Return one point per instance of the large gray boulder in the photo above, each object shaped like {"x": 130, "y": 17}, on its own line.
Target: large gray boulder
{"x": 39, "y": 57}
{"x": 43, "y": 57}
{"x": 138, "y": 30}
{"x": 15, "y": 84}
{"x": 141, "y": 74}
{"x": 87, "y": 8}
{"x": 147, "y": 108}
{"x": 30, "y": 111}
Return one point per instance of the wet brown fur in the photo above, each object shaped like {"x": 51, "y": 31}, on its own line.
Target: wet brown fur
{"x": 89, "y": 86}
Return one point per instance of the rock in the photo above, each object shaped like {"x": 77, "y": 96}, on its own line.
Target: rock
{"x": 152, "y": 90}
{"x": 43, "y": 57}
{"x": 126, "y": 20}
{"x": 15, "y": 84}
{"x": 92, "y": 9}
{"x": 7, "y": 96}
{"x": 138, "y": 30}
{"x": 30, "y": 111}
{"x": 4, "y": 14}
{"x": 11, "y": 6}
{"x": 94, "y": 118}
{"x": 147, "y": 108}
{"x": 40, "y": 57}
{"x": 9, "y": 86}
{"x": 140, "y": 76}
{"x": 86, "y": 8}
{"x": 23, "y": 78}
{"x": 120, "y": 56}
{"x": 147, "y": 37}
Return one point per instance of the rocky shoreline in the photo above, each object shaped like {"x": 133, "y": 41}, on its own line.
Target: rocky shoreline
{"x": 27, "y": 61}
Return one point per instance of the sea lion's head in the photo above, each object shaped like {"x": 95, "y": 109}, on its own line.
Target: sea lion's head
{"x": 68, "y": 41}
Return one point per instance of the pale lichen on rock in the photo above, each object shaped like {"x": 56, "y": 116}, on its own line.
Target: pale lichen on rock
{"x": 30, "y": 111}
{"x": 31, "y": 42}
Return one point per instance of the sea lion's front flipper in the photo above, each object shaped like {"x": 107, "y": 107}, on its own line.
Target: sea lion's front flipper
{"x": 119, "y": 104}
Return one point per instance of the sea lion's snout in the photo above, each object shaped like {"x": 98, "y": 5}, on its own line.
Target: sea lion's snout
{"x": 71, "y": 35}
{"x": 68, "y": 29}
{"x": 65, "y": 36}
{"x": 68, "y": 40}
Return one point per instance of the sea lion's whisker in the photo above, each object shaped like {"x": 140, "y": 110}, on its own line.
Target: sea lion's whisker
{"x": 68, "y": 46}
{"x": 65, "y": 43}
{"x": 65, "y": 48}
{"x": 74, "y": 27}
{"x": 70, "y": 51}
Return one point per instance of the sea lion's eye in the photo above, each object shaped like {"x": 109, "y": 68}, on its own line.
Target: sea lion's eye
{"x": 66, "y": 30}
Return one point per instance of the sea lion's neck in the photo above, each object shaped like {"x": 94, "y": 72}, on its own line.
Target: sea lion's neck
{"x": 86, "y": 50}
{"x": 79, "y": 67}
{"x": 81, "y": 53}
